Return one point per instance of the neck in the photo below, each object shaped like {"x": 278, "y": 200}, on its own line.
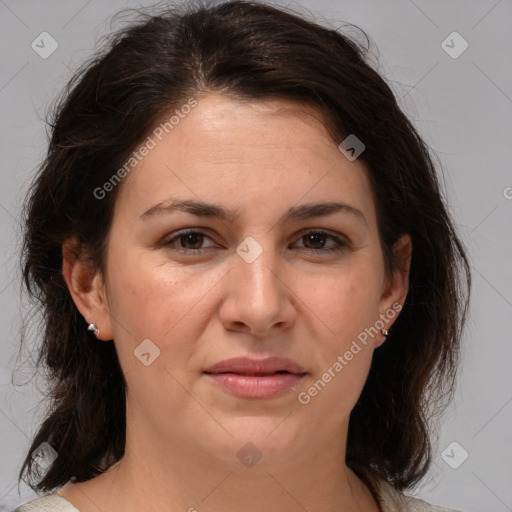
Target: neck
{"x": 195, "y": 487}
{"x": 188, "y": 480}
{"x": 180, "y": 476}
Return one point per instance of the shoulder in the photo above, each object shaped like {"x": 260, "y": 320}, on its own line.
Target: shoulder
{"x": 392, "y": 500}
{"x": 51, "y": 503}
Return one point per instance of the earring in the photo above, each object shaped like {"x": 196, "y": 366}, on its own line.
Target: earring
{"x": 383, "y": 331}
{"x": 92, "y": 327}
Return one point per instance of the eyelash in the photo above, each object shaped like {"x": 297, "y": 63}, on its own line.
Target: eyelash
{"x": 339, "y": 243}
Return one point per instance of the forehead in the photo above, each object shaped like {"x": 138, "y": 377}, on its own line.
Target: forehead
{"x": 240, "y": 152}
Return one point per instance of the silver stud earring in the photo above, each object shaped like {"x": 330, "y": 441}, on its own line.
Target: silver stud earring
{"x": 92, "y": 327}
{"x": 383, "y": 331}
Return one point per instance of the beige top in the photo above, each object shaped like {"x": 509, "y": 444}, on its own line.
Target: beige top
{"x": 390, "y": 500}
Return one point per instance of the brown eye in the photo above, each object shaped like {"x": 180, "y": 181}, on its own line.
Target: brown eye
{"x": 195, "y": 240}
{"x": 315, "y": 241}
{"x": 191, "y": 242}
{"x": 188, "y": 242}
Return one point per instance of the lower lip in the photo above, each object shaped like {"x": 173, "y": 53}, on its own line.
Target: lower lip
{"x": 251, "y": 386}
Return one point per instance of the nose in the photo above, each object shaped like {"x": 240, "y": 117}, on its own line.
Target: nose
{"x": 257, "y": 298}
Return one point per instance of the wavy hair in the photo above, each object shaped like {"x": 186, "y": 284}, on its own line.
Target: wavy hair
{"x": 255, "y": 52}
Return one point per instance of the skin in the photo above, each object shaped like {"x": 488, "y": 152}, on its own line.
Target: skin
{"x": 183, "y": 431}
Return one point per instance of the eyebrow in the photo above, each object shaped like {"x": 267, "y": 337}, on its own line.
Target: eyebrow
{"x": 203, "y": 209}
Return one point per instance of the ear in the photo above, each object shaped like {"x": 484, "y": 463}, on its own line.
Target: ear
{"x": 87, "y": 288}
{"x": 396, "y": 285}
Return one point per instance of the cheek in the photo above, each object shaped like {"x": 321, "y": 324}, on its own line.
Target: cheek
{"x": 348, "y": 306}
{"x": 166, "y": 306}
{"x": 346, "y": 301}
{"x": 162, "y": 303}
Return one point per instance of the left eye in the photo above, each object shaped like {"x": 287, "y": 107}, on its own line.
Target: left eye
{"x": 320, "y": 237}
{"x": 195, "y": 239}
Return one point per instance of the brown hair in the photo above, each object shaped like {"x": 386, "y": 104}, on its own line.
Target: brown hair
{"x": 251, "y": 51}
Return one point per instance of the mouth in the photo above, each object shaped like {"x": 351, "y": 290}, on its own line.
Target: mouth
{"x": 248, "y": 366}
{"x": 256, "y": 386}
{"x": 255, "y": 374}
{"x": 250, "y": 378}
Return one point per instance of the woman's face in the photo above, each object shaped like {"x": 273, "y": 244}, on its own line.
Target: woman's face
{"x": 256, "y": 283}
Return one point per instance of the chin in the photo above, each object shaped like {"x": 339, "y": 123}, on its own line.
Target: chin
{"x": 258, "y": 440}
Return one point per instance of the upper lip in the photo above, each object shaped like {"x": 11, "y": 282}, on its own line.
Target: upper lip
{"x": 248, "y": 366}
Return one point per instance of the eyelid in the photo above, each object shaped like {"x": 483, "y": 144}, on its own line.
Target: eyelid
{"x": 340, "y": 241}
{"x": 177, "y": 234}
{"x": 324, "y": 231}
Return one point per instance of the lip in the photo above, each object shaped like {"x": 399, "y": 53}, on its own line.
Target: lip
{"x": 248, "y": 366}
{"x": 256, "y": 378}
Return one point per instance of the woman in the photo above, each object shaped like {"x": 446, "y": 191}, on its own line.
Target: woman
{"x": 253, "y": 293}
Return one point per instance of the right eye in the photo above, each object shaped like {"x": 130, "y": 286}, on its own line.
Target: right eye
{"x": 188, "y": 237}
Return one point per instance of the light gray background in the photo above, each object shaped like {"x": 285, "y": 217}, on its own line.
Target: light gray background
{"x": 461, "y": 106}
